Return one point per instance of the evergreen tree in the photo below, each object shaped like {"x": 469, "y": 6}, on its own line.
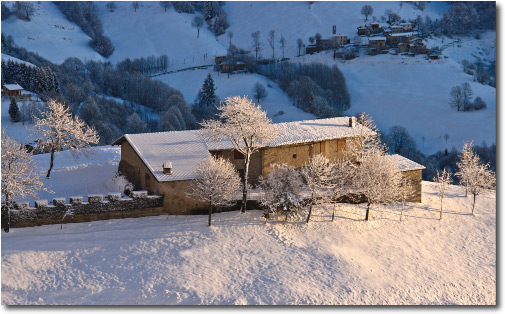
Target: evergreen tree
{"x": 206, "y": 101}
{"x": 14, "y": 110}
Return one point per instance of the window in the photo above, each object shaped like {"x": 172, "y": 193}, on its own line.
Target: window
{"x": 237, "y": 155}
{"x": 294, "y": 155}
{"x": 216, "y": 154}
{"x": 323, "y": 147}
{"x": 340, "y": 145}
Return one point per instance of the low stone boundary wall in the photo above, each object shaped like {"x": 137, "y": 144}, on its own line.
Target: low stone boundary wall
{"x": 98, "y": 207}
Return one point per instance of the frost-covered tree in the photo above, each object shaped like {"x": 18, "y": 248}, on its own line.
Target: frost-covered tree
{"x": 14, "y": 110}
{"x": 256, "y": 43}
{"x": 135, "y": 125}
{"x": 473, "y": 174}
{"x": 283, "y": 45}
{"x": 443, "y": 180}
{"x": 206, "y": 102}
{"x": 69, "y": 212}
{"x": 281, "y": 191}
{"x": 271, "y": 42}
{"x": 377, "y": 178}
{"x": 405, "y": 191}
{"x": 19, "y": 176}
{"x": 367, "y": 139}
{"x": 299, "y": 43}
{"x": 259, "y": 92}
{"x": 367, "y": 10}
{"x": 318, "y": 175}
{"x": 246, "y": 126}
{"x": 216, "y": 182}
{"x": 197, "y": 22}
{"x": 57, "y": 130}
{"x": 165, "y": 5}
{"x": 342, "y": 179}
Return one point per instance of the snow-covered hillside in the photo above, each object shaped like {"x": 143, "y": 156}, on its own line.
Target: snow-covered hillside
{"x": 7, "y": 58}
{"x": 242, "y": 260}
{"x": 49, "y": 34}
{"x": 238, "y": 84}
{"x": 302, "y": 20}
{"x": 414, "y": 92}
{"x": 152, "y": 31}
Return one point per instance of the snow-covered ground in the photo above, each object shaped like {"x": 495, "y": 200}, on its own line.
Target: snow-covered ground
{"x": 6, "y": 58}
{"x": 242, "y": 260}
{"x": 49, "y": 34}
{"x": 78, "y": 177}
{"x": 414, "y": 92}
{"x": 16, "y": 130}
{"x": 237, "y": 84}
{"x": 152, "y": 31}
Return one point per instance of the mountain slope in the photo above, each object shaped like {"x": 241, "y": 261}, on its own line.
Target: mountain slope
{"x": 49, "y": 34}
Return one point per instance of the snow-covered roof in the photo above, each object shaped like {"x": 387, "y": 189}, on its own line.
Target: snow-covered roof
{"x": 405, "y": 24}
{"x": 185, "y": 149}
{"x": 13, "y": 87}
{"x": 404, "y": 34}
{"x": 405, "y": 164}
{"x": 377, "y": 38}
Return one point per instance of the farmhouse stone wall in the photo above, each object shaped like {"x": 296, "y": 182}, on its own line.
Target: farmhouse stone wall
{"x": 97, "y": 207}
{"x": 415, "y": 177}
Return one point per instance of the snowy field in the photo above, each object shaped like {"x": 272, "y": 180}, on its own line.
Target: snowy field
{"x": 49, "y": 34}
{"x": 152, "y": 31}
{"x": 414, "y": 92}
{"x": 16, "y": 130}
{"x": 242, "y": 260}
{"x": 238, "y": 84}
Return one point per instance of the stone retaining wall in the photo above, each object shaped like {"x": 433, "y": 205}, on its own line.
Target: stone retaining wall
{"x": 97, "y": 207}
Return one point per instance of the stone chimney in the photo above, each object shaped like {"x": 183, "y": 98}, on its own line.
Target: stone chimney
{"x": 352, "y": 122}
{"x": 334, "y": 29}
{"x": 167, "y": 167}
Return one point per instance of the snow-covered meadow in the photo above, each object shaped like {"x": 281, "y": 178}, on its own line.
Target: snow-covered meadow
{"x": 242, "y": 260}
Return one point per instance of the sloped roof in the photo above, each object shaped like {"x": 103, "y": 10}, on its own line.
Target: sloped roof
{"x": 405, "y": 164}
{"x": 13, "y": 86}
{"x": 377, "y": 38}
{"x": 185, "y": 149}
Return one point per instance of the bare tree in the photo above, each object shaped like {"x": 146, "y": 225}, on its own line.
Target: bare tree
{"x": 197, "y": 22}
{"x": 111, "y": 6}
{"x": 476, "y": 176}
{"x": 456, "y": 99}
{"x": 318, "y": 175}
{"x": 24, "y": 10}
{"x": 283, "y": 44}
{"x": 467, "y": 94}
{"x": 216, "y": 182}
{"x": 19, "y": 175}
{"x": 230, "y": 35}
{"x": 443, "y": 180}
{"x": 281, "y": 191}
{"x": 69, "y": 212}
{"x": 271, "y": 42}
{"x": 311, "y": 40}
{"x": 259, "y": 91}
{"x": 246, "y": 126}
{"x": 318, "y": 37}
{"x": 299, "y": 42}
{"x": 165, "y": 5}
{"x": 135, "y": 5}
{"x": 58, "y": 130}
{"x": 256, "y": 43}
{"x": 367, "y": 10}
{"x": 446, "y": 137}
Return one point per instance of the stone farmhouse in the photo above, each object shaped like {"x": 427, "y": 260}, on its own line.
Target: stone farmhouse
{"x": 163, "y": 163}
